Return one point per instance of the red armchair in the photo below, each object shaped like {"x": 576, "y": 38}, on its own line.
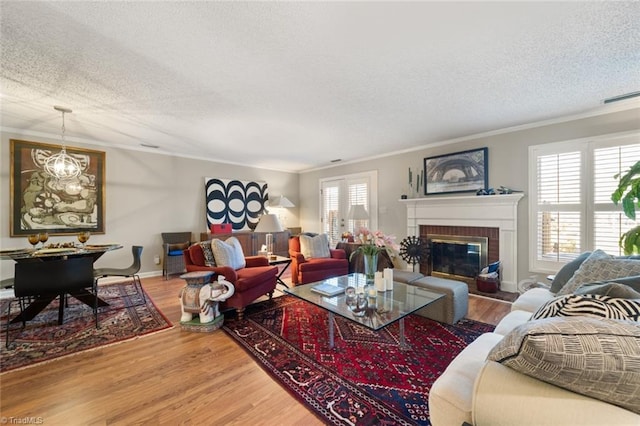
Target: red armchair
{"x": 305, "y": 271}
{"x": 257, "y": 278}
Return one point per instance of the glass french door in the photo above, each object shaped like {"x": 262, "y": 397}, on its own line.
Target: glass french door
{"x": 338, "y": 195}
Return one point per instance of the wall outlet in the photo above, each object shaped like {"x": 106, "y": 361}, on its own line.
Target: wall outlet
{"x": 156, "y": 259}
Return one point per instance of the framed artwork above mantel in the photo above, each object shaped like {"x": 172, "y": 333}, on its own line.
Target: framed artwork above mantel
{"x": 464, "y": 171}
{"x": 40, "y": 203}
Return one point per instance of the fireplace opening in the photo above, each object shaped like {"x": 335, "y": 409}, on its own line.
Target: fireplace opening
{"x": 457, "y": 256}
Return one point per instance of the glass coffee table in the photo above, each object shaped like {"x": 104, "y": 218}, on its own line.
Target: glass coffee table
{"x": 386, "y": 308}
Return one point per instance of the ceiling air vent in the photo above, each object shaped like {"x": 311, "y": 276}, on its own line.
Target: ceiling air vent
{"x": 621, "y": 97}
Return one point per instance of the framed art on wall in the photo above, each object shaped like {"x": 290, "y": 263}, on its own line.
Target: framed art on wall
{"x": 238, "y": 202}
{"x": 465, "y": 171}
{"x": 42, "y": 203}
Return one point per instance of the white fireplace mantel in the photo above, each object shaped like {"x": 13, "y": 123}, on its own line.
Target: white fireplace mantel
{"x": 492, "y": 211}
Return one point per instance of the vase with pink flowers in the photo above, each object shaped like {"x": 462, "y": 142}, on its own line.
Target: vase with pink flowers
{"x": 371, "y": 245}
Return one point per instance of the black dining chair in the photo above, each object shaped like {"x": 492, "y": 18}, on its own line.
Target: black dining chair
{"x": 36, "y": 284}
{"x": 130, "y": 272}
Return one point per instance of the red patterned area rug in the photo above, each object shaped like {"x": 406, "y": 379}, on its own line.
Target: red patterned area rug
{"x": 127, "y": 317}
{"x": 366, "y": 379}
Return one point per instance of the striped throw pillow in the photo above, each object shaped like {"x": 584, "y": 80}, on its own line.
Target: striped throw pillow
{"x": 590, "y": 305}
{"x": 207, "y": 251}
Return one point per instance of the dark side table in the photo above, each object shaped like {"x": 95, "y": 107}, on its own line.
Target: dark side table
{"x": 280, "y": 260}
{"x": 357, "y": 263}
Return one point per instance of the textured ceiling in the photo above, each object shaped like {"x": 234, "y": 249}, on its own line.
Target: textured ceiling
{"x": 294, "y": 85}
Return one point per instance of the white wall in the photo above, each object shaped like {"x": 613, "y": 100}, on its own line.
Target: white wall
{"x": 507, "y": 166}
{"x": 150, "y": 193}
{"x": 146, "y": 194}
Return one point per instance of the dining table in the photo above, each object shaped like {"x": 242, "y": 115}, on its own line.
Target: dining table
{"x": 35, "y": 257}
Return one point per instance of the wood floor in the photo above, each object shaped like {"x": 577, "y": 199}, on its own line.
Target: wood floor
{"x": 172, "y": 377}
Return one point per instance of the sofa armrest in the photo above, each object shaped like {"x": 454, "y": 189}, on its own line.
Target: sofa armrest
{"x": 532, "y": 299}
{"x": 502, "y": 396}
{"x": 338, "y": 253}
{"x": 255, "y": 261}
{"x": 297, "y": 257}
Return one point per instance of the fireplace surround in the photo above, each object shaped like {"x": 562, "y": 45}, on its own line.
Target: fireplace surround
{"x": 468, "y": 213}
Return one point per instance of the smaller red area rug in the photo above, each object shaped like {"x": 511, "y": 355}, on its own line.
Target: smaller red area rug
{"x": 367, "y": 378}
{"x": 127, "y": 317}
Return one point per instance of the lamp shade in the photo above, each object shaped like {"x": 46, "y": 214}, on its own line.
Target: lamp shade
{"x": 269, "y": 223}
{"x": 281, "y": 201}
{"x": 358, "y": 212}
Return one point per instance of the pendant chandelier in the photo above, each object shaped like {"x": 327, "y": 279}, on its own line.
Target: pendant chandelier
{"x": 62, "y": 166}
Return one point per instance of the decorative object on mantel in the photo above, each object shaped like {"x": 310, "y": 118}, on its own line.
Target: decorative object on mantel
{"x": 417, "y": 181}
{"x": 488, "y": 191}
{"x": 503, "y": 190}
{"x": 465, "y": 171}
{"x": 233, "y": 201}
{"x": 41, "y": 202}
{"x": 62, "y": 166}
{"x": 412, "y": 250}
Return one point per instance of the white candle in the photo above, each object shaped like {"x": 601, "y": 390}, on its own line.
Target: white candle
{"x": 379, "y": 281}
{"x": 388, "y": 279}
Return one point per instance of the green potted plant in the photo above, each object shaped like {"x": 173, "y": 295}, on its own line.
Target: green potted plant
{"x": 628, "y": 192}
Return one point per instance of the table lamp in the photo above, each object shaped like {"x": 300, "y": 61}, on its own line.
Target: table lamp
{"x": 357, "y": 213}
{"x": 269, "y": 223}
{"x": 280, "y": 202}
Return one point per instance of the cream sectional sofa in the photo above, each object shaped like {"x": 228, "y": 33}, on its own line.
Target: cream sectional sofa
{"x": 477, "y": 391}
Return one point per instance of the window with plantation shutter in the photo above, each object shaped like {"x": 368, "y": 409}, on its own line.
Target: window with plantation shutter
{"x": 559, "y": 207}
{"x": 570, "y": 204}
{"x": 331, "y": 210}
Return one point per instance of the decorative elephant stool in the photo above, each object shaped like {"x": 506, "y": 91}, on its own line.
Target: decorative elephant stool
{"x": 202, "y": 298}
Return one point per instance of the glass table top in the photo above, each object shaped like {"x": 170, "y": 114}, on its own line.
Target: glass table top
{"x": 46, "y": 252}
{"x": 386, "y": 308}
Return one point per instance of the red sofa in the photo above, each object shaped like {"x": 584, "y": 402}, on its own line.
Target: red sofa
{"x": 256, "y": 279}
{"x": 305, "y": 271}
